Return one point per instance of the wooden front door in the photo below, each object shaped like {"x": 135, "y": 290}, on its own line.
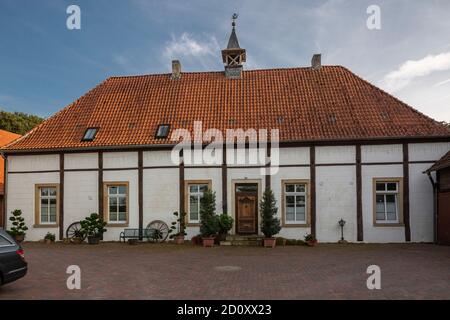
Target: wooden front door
{"x": 443, "y": 231}
{"x": 246, "y": 198}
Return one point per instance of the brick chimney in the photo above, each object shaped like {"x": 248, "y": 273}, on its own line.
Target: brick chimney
{"x": 316, "y": 61}
{"x": 176, "y": 69}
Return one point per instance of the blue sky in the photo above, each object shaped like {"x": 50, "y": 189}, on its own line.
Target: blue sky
{"x": 44, "y": 66}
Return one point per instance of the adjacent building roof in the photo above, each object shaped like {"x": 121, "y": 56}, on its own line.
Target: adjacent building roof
{"x": 330, "y": 103}
{"x": 442, "y": 163}
{"x": 5, "y": 138}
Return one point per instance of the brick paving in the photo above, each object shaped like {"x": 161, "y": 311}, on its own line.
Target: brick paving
{"x": 149, "y": 271}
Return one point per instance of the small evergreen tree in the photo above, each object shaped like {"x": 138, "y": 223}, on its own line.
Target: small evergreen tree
{"x": 209, "y": 225}
{"x": 270, "y": 224}
{"x": 18, "y": 223}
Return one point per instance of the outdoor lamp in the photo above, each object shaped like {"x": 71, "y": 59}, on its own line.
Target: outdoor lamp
{"x": 342, "y": 224}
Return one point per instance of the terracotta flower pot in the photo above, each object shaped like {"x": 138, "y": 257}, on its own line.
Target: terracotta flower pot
{"x": 48, "y": 241}
{"x": 179, "y": 240}
{"x": 19, "y": 238}
{"x": 208, "y": 241}
{"x": 311, "y": 243}
{"x": 270, "y": 242}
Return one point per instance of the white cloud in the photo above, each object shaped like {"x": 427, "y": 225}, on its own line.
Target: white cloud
{"x": 441, "y": 83}
{"x": 411, "y": 69}
{"x": 205, "y": 51}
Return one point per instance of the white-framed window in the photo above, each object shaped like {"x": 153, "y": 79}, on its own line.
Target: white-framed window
{"x": 295, "y": 206}
{"x": 48, "y": 204}
{"x": 195, "y": 193}
{"x": 387, "y": 208}
{"x": 117, "y": 203}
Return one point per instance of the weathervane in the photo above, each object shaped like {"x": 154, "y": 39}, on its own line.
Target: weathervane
{"x": 234, "y": 17}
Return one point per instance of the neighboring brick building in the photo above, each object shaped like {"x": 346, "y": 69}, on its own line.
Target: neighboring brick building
{"x": 5, "y": 138}
{"x": 347, "y": 150}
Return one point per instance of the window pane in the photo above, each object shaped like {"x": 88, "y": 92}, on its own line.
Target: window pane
{"x": 44, "y": 210}
{"x": 300, "y": 188}
{"x": 193, "y": 208}
{"x": 52, "y": 210}
{"x": 44, "y": 192}
{"x": 392, "y": 186}
{"x": 381, "y": 186}
{"x": 290, "y": 208}
{"x": 193, "y": 188}
{"x": 380, "y": 207}
{"x": 112, "y": 204}
{"x": 112, "y": 216}
{"x": 113, "y": 190}
{"x": 122, "y": 216}
{"x": 203, "y": 188}
{"x": 4, "y": 242}
{"x": 290, "y": 188}
{"x": 52, "y": 192}
{"x": 122, "y": 190}
{"x": 391, "y": 207}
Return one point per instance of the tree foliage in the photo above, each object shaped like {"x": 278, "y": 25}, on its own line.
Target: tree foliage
{"x": 270, "y": 224}
{"x": 209, "y": 224}
{"x": 18, "y": 122}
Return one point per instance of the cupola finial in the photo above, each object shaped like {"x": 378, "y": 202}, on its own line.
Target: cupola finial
{"x": 233, "y": 56}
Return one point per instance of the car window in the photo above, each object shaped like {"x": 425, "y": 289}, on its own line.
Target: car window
{"x": 4, "y": 241}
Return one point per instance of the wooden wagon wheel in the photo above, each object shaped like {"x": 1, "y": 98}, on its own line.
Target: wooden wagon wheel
{"x": 159, "y": 229}
{"x": 74, "y": 231}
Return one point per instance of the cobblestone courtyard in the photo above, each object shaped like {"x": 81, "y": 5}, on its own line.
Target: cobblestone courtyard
{"x": 148, "y": 271}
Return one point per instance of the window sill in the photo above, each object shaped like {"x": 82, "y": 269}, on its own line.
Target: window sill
{"x": 117, "y": 225}
{"x": 193, "y": 224}
{"x": 45, "y": 226}
{"x": 378, "y": 224}
{"x": 296, "y": 225}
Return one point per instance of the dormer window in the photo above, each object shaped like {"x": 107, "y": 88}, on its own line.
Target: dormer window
{"x": 162, "y": 131}
{"x": 89, "y": 135}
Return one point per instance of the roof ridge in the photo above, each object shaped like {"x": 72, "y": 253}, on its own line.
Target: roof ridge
{"x": 218, "y": 71}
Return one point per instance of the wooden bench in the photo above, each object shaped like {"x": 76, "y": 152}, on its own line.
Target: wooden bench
{"x": 137, "y": 234}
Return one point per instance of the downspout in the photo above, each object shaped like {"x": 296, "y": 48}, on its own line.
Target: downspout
{"x": 434, "y": 184}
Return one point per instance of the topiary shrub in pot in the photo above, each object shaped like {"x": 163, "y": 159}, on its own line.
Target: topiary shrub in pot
{"x": 225, "y": 224}
{"x": 209, "y": 224}
{"x": 18, "y": 228}
{"x": 49, "y": 238}
{"x": 310, "y": 240}
{"x": 270, "y": 224}
{"x": 94, "y": 227}
{"x": 176, "y": 231}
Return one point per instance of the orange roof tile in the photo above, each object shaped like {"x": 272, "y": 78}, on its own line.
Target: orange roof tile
{"x": 5, "y": 138}
{"x": 331, "y": 103}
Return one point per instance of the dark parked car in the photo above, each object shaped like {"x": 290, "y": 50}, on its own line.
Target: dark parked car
{"x": 12, "y": 262}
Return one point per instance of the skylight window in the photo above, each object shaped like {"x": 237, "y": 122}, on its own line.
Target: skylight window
{"x": 162, "y": 131}
{"x": 89, "y": 135}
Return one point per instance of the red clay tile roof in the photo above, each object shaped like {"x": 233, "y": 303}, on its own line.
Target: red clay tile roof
{"x": 442, "y": 163}
{"x": 327, "y": 104}
{"x": 5, "y": 138}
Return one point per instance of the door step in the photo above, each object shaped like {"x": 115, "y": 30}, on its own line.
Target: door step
{"x": 236, "y": 240}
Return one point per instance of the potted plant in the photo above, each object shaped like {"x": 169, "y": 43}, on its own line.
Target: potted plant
{"x": 94, "y": 227}
{"x": 177, "y": 229}
{"x": 310, "y": 240}
{"x": 270, "y": 224}
{"x": 196, "y": 240}
{"x": 225, "y": 224}
{"x": 18, "y": 226}
{"x": 49, "y": 238}
{"x": 209, "y": 224}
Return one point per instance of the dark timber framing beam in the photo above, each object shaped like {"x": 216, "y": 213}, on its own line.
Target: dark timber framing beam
{"x": 100, "y": 185}
{"x": 61, "y": 196}
{"x": 312, "y": 168}
{"x": 224, "y": 181}
{"x": 181, "y": 183}
{"x": 141, "y": 191}
{"x": 359, "y": 215}
{"x": 406, "y": 192}
{"x": 268, "y": 164}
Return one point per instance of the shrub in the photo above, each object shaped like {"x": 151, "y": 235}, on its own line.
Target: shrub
{"x": 18, "y": 223}
{"x": 225, "y": 223}
{"x": 309, "y": 237}
{"x": 93, "y": 225}
{"x": 270, "y": 224}
{"x": 209, "y": 224}
{"x": 50, "y": 236}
